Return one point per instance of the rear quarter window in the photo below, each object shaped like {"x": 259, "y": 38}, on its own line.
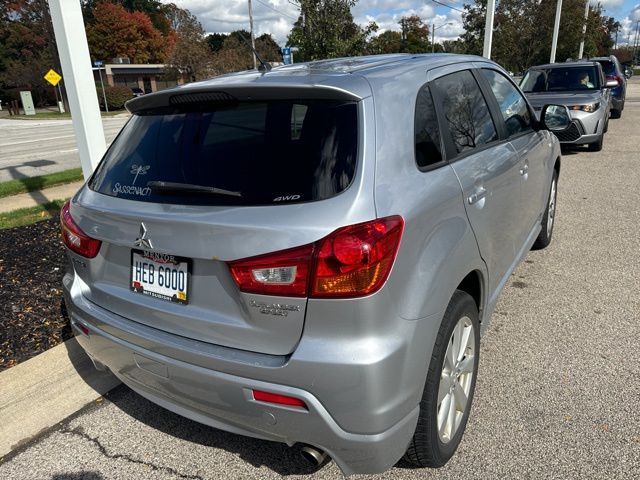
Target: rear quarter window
{"x": 248, "y": 153}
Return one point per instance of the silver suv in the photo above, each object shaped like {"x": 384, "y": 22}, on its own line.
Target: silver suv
{"x": 583, "y": 88}
{"x": 309, "y": 255}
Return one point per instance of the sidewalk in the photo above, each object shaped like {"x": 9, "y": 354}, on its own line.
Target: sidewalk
{"x": 37, "y": 394}
{"x": 38, "y": 197}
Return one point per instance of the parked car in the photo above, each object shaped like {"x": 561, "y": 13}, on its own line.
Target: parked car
{"x": 309, "y": 255}
{"x": 614, "y": 71}
{"x": 580, "y": 86}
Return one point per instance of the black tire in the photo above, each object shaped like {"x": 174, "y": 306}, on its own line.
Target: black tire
{"x": 544, "y": 237}
{"x": 616, "y": 113}
{"x": 426, "y": 449}
{"x": 597, "y": 145}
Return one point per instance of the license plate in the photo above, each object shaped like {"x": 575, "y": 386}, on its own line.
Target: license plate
{"x": 160, "y": 276}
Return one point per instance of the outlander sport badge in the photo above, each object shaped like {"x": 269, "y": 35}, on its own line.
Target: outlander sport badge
{"x": 142, "y": 240}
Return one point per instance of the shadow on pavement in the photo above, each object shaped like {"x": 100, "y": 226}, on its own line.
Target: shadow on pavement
{"x": 101, "y": 382}
{"x": 33, "y": 184}
{"x": 278, "y": 457}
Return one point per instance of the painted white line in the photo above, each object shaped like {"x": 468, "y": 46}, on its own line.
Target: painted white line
{"x": 38, "y": 140}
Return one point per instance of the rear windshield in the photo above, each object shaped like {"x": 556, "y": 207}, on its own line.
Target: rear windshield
{"x": 608, "y": 67}
{"x": 561, "y": 79}
{"x": 246, "y": 153}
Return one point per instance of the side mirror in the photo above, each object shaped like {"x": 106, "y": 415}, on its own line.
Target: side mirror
{"x": 555, "y": 118}
{"x": 613, "y": 83}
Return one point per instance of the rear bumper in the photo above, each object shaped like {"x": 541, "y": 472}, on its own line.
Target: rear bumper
{"x": 220, "y": 397}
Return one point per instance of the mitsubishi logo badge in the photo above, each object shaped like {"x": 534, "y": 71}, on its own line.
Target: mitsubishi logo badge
{"x": 143, "y": 240}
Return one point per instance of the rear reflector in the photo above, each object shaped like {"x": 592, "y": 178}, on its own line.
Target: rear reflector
{"x": 74, "y": 238}
{"x": 83, "y": 329}
{"x": 351, "y": 262}
{"x": 278, "y": 399}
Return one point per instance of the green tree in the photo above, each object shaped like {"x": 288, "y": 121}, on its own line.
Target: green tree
{"x": 191, "y": 54}
{"x": 325, "y": 29}
{"x": 27, "y": 49}
{"x": 388, "y": 41}
{"x": 523, "y": 31}
{"x": 216, "y": 41}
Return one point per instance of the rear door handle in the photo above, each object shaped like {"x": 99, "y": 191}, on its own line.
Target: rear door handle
{"x": 477, "y": 196}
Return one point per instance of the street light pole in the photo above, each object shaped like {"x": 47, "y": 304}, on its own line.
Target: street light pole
{"x": 488, "y": 29}
{"x": 556, "y": 28}
{"x": 71, "y": 40}
{"x": 584, "y": 29}
{"x": 253, "y": 39}
{"x": 433, "y": 34}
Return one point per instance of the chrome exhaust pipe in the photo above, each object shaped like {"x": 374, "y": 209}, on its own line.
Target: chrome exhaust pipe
{"x": 313, "y": 455}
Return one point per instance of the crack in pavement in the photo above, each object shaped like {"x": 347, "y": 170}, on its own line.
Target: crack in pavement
{"x": 79, "y": 432}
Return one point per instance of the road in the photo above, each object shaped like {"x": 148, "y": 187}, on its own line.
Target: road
{"x": 558, "y": 392}
{"x": 32, "y": 147}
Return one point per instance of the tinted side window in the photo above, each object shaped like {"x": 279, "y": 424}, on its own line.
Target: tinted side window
{"x": 512, "y": 104}
{"x": 426, "y": 130}
{"x": 466, "y": 111}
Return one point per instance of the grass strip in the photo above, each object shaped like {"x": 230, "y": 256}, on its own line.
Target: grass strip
{"x": 30, "y": 215}
{"x": 24, "y": 185}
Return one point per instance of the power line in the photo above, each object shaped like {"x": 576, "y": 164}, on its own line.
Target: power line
{"x": 276, "y": 10}
{"x": 448, "y": 6}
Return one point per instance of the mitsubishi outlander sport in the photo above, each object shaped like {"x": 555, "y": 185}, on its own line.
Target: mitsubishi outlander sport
{"x": 309, "y": 255}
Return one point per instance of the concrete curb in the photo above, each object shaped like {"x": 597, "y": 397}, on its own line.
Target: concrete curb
{"x": 43, "y": 391}
{"x": 38, "y": 197}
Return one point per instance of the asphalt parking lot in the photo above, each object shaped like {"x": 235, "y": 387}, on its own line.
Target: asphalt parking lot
{"x": 558, "y": 392}
{"x": 37, "y": 147}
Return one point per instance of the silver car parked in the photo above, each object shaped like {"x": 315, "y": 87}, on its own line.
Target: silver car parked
{"x": 309, "y": 255}
{"x": 583, "y": 88}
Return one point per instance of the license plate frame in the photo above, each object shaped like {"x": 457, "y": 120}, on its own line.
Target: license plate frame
{"x": 161, "y": 260}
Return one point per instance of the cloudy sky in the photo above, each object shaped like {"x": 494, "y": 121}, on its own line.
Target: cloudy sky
{"x": 277, "y": 16}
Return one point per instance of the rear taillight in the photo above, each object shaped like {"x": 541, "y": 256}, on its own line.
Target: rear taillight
{"x": 353, "y": 261}
{"x": 74, "y": 238}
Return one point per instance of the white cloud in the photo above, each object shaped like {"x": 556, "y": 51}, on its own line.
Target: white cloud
{"x": 277, "y": 16}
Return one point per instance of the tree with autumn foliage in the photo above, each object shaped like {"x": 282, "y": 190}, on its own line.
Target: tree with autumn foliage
{"x": 232, "y": 52}
{"x": 26, "y": 49}
{"x": 116, "y": 32}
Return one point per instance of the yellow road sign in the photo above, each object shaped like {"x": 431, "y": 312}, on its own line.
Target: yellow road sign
{"x": 53, "y": 77}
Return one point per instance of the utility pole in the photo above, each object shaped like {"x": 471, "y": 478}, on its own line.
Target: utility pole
{"x": 433, "y": 37}
{"x": 635, "y": 43}
{"x": 556, "y": 29}
{"x": 253, "y": 38}
{"x": 584, "y": 29}
{"x": 488, "y": 29}
{"x": 403, "y": 35}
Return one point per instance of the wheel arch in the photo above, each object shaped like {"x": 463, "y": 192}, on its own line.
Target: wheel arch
{"x": 472, "y": 284}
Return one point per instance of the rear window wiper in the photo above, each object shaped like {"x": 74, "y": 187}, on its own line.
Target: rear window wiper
{"x": 176, "y": 187}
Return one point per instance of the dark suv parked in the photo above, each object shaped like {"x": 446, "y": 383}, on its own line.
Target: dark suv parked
{"x": 614, "y": 71}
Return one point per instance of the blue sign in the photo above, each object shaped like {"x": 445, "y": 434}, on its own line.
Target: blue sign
{"x": 286, "y": 55}
{"x": 98, "y": 63}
